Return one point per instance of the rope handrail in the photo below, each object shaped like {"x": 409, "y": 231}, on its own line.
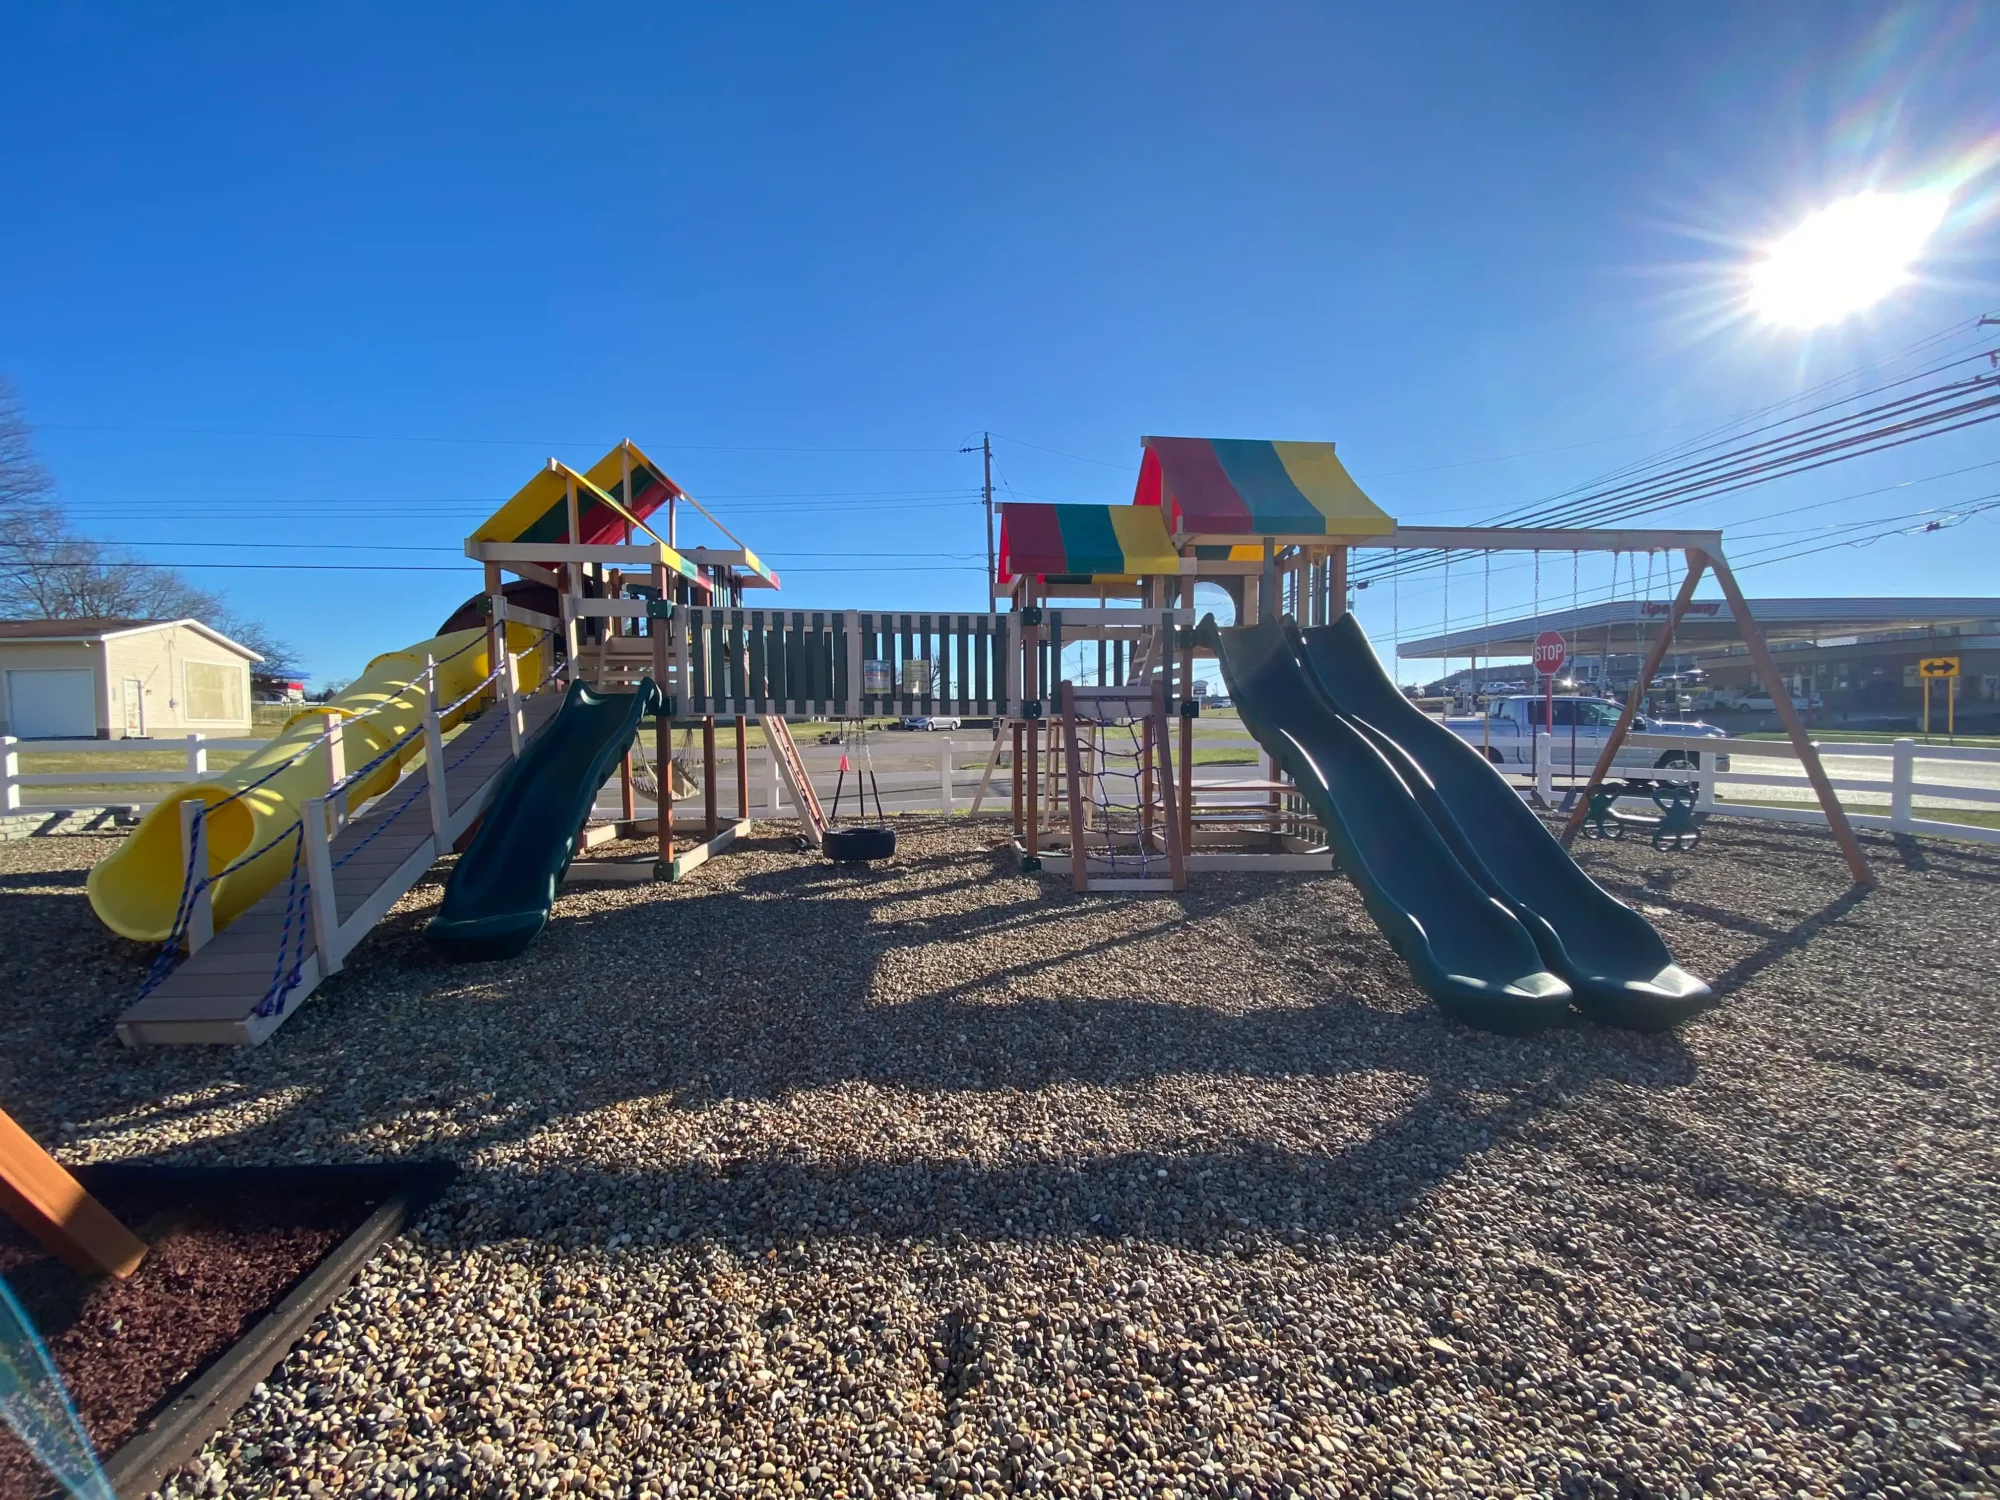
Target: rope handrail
{"x": 298, "y": 892}
{"x": 345, "y": 719}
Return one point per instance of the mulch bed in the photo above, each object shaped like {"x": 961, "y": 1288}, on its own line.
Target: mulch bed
{"x": 217, "y": 1264}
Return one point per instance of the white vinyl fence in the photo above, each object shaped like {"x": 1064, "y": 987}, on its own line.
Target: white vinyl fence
{"x": 1885, "y": 775}
{"x": 86, "y": 790}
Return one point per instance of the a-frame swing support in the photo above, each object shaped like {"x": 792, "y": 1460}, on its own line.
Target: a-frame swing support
{"x": 1699, "y": 559}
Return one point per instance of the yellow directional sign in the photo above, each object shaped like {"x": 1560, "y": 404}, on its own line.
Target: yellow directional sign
{"x": 1938, "y": 666}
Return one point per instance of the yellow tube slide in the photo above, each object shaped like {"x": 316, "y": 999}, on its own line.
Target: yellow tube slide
{"x": 136, "y": 889}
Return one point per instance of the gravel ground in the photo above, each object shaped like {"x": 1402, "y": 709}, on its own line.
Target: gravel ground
{"x": 786, "y": 1180}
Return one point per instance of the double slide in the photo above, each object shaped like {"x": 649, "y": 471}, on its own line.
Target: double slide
{"x": 500, "y": 893}
{"x": 1494, "y": 918}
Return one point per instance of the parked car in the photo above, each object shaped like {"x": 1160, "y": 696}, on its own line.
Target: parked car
{"x": 929, "y": 722}
{"x": 1508, "y": 731}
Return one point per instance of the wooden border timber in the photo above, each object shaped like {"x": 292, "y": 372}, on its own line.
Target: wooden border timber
{"x": 692, "y": 859}
{"x": 38, "y": 1193}
{"x": 1781, "y": 698}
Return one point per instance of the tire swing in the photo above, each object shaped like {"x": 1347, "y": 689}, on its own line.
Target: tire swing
{"x": 863, "y": 842}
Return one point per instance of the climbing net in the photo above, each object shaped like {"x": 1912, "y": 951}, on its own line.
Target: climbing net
{"x": 1117, "y": 784}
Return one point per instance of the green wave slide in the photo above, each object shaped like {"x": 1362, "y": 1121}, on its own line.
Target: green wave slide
{"x": 500, "y": 892}
{"x": 1467, "y": 951}
{"x": 1609, "y": 955}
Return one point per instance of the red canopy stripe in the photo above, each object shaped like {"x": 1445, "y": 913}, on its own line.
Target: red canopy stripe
{"x": 1204, "y": 498}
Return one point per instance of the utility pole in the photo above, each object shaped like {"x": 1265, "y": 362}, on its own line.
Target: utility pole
{"x": 985, "y": 450}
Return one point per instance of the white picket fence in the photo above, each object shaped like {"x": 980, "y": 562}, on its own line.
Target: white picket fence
{"x": 1978, "y": 783}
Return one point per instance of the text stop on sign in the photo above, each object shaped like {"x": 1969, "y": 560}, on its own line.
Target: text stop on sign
{"x": 1550, "y": 653}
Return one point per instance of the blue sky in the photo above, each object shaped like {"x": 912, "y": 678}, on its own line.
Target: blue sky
{"x": 320, "y": 281}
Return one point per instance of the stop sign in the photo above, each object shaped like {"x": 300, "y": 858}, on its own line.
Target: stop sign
{"x": 1550, "y": 653}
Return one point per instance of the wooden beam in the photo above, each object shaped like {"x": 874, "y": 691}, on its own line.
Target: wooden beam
{"x": 1655, "y": 654}
{"x": 548, "y": 553}
{"x": 38, "y": 1193}
{"x": 1795, "y": 729}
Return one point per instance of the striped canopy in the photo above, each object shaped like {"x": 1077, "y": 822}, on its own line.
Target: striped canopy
{"x": 1078, "y": 543}
{"x": 1250, "y": 487}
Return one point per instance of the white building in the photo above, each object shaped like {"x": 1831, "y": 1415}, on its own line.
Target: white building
{"x": 121, "y": 679}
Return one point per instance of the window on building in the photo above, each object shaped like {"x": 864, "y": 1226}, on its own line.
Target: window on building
{"x": 214, "y": 691}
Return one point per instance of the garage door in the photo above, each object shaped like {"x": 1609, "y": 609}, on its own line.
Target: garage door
{"x": 52, "y": 705}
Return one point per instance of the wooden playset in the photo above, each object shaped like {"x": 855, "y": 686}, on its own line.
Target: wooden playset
{"x": 1273, "y": 524}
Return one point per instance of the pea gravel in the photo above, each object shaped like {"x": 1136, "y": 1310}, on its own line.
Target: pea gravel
{"x": 937, "y": 1180}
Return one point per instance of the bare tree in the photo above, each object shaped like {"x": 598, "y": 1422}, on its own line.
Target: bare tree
{"x": 48, "y": 574}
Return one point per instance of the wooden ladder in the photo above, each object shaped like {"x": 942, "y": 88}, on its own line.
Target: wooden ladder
{"x": 778, "y": 735}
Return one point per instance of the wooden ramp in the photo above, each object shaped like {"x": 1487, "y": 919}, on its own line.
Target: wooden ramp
{"x": 233, "y": 988}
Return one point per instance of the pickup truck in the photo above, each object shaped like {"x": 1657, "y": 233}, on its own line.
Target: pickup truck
{"x": 1508, "y": 731}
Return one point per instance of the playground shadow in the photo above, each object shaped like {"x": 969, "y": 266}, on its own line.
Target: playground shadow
{"x": 810, "y": 979}
{"x": 1239, "y": 1196}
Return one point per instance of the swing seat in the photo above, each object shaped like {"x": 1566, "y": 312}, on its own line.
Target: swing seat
{"x": 850, "y": 846}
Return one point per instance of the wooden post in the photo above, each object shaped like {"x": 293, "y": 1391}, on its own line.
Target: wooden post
{"x": 1696, "y": 561}
{"x": 510, "y": 693}
{"x": 1795, "y": 730}
{"x": 944, "y": 773}
{"x": 1020, "y": 805}
{"x": 742, "y": 768}
{"x": 627, "y": 810}
{"x": 1031, "y": 687}
{"x": 194, "y": 856}
{"x": 496, "y": 625}
{"x": 10, "y": 774}
{"x": 314, "y": 817}
{"x": 38, "y": 1193}
{"x": 1336, "y": 588}
{"x": 711, "y": 817}
{"x": 440, "y": 794}
{"x": 1079, "y": 851}
{"x": 1149, "y": 791}
{"x": 1176, "y": 850}
{"x": 663, "y": 729}
{"x": 1186, "y": 767}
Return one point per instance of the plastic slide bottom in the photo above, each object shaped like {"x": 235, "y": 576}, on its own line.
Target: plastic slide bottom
{"x": 499, "y": 895}
{"x": 1466, "y": 950}
{"x": 136, "y": 889}
{"x": 1606, "y": 952}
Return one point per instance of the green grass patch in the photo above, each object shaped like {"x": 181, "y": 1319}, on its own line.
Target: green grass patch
{"x": 1972, "y": 816}
{"x": 1879, "y": 737}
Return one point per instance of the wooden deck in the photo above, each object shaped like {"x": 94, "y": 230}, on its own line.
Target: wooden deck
{"x": 216, "y": 994}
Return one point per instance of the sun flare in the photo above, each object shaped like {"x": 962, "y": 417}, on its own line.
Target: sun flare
{"x": 1844, "y": 258}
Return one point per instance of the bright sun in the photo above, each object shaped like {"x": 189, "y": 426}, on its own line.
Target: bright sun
{"x": 1847, "y": 256}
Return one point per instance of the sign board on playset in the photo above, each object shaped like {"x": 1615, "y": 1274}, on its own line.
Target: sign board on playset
{"x": 1550, "y": 653}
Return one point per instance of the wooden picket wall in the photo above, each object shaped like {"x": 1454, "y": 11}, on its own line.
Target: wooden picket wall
{"x": 823, "y": 662}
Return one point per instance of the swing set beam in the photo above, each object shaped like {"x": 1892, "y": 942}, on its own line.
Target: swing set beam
{"x": 1698, "y": 560}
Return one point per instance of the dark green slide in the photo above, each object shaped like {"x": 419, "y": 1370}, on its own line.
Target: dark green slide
{"x": 1468, "y": 952}
{"x": 1610, "y": 956}
{"x": 499, "y": 895}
